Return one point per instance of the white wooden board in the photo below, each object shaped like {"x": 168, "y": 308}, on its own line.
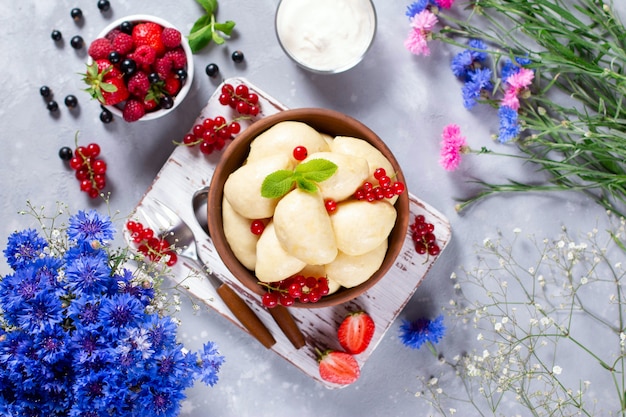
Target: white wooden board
{"x": 187, "y": 170}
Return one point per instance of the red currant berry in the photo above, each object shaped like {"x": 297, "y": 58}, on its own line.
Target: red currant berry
{"x": 434, "y": 250}
{"x": 285, "y": 299}
{"x": 234, "y": 128}
{"x": 228, "y": 89}
{"x": 224, "y": 99}
{"x": 257, "y": 227}
{"x": 242, "y": 107}
{"x": 398, "y": 187}
{"x": 198, "y": 130}
{"x": 254, "y": 110}
{"x": 189, "y": 139}
{"x": 242, "y": 90}
{"x": 208, "y": 123}
{"x": 331, "y": 205}
{"x": 380, "y": 172}
{"x": 253, "y": 98}
{"x": 76, "y": 162}
{"x": 99, "y": 166}
{"x": 172, "y": 258}
{"x": 300, "y": 153}
{"x": 93, "y": 150}
{"x": 270, "y": 299}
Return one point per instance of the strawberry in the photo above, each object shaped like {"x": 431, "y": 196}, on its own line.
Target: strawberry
{"x": 149, "y": 33}
{"x": 102, "y": 86}
{"x": 355, "y": 332}
{"x": 338, "y": 367}
{"x": 172, "y": 85}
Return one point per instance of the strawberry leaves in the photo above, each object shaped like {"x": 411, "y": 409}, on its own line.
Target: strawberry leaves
{"x": 97, "y": 83}
{"x": 207, "y": 29}
{"x": 305, "y": 176}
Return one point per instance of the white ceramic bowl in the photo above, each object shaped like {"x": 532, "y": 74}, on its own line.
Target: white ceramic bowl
{"x": 185, "y": 45}
{"x": 325, "y": 36}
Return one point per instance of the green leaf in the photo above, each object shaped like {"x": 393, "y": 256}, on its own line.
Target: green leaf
{"x": 306, "y": 185}
{"x": 108, "y": 87}
{"x": 317, "y": 170}
{"x": 208, "y": 5}
{"x": 199, "y": 24}
{"x": 217, "y": 38}
{"x": 226, "y": 28}
{"x": 200, "y": 39}
{"x": 277, "y": 184}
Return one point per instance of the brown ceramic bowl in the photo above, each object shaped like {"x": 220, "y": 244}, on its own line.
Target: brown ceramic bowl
{"x": 325, "y": 121}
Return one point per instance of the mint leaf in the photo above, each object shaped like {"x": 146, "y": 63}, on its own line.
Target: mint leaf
{"x": 277, "y": 184}
{"x": 201, "y": 23}
{"x": 306, "y": 185}
{"x": 208, "y": 5}
{"x": 316, "y": 170}
{"x": 226, "y": 28}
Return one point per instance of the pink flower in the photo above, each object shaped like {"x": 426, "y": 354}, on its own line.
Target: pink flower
{"x": 517, "y": 83}
{"x": 452, "y": 146}
{"x": 444, "y": 4}
{"x": 422, "y": 24}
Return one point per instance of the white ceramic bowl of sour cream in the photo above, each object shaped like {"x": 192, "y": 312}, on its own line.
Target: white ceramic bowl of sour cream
{"x": 326, "y": 36}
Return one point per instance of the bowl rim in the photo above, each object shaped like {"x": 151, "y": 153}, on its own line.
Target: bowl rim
{"x": 215, "y": 195}
{"x": 185, "y": 45}
{"x": 336, "y": 70}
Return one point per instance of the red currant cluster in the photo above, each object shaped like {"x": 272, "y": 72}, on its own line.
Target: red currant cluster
{"x": 297, "y": 287}
{"x": 212, "y": 134}
{"x": 151, "y": 246}
{"x": 240, "y": 98}
{"x": 423, "y": 235}
{"x": 386, "y": 188}
{"x": 90, "y": 170}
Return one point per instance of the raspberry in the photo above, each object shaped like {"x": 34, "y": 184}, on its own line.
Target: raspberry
{"x": 113, "y": 34}
{"x": 100, "y": 48}
{"x": 164, "y": 67}
{"x": 138, "y": 84}
{"x": 144, "y": 55}
{"x": 171, "y": 38}
{"x": 133, "y": 110}
{"x": 178, "y": 57}
{"x": 123, "y": 43}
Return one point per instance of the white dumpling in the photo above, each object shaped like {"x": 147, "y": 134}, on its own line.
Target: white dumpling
{"x": 359, "y": 147}
{"x": 243, "y": 187}
{"x": 350, "y": 271}
{"x": 303, "y": 227}
{"x": 238, "y": 235}
{"x": 350, "y": 174}
{"x": 360, "y": 226}
{"x": 283, "y": 137}
{"x": 273, "y": 262}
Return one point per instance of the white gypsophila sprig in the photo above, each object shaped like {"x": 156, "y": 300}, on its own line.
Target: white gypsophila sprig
{"x": 548, "y": 317}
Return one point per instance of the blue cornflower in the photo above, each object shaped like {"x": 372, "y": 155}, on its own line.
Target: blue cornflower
{"x": 41, "y": 311}
{"x": 23, "y": 247}
{"x": 89, "y": 226}
{"x": 509, "y": 124}
{"x": 478, "y": 82}
{"x": 53, "y": 344}
{"x": 469, "y": 60}
{"x": 509, "y": 67}
{"x": 161, "y": 331}
{"x": 84, "y": 312}
{"x": 416, "y": 7}
{"x": 478, "y": 51}
{"x": 210, "y": 363}
{"x": 89, "y": 274}
{"x": 89, "y": 345}
{"x": 120, "y": 312}
{"x": 125, "y": 284}
{"x": 415, "y": 333}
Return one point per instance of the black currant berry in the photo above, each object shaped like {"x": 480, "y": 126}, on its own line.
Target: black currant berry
{"x": 76, "y": 13}
{"x": 128, "y": 66}
{"x": 71, "y": 101}
{"x": 237, "y": 56}
{"x": 45, "y": 91}
{"x": 126, "y": 27}
{"x": 65, "y": 153}
{"x": 56, "y": 35}
{"x": 106, "y": 116}
{"x": 212, "y": 70}
{"x": 182, "y": 74}
{"x": 115, "y": 57}
{"x": 104, "y": 5}
{"x": 52, "y": 106}
{"x": 77, "y": 42}
{"x": 167, "y": 102}
{"x": 153, "y": 77}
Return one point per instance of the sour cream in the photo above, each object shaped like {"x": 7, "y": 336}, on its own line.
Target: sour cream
{"x": 326, "y": 35}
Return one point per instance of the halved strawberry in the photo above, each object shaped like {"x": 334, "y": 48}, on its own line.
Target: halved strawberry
{"x": 355, "y": 332}
{"x": 338, "y": 367}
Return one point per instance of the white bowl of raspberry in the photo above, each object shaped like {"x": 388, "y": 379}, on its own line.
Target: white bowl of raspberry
{"x": 327, "y": 229}
{"x": 140, "y": 67}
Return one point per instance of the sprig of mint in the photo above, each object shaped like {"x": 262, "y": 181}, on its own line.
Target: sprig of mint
{"x": 206, "y": 29}
{"x": 305, "y": 176}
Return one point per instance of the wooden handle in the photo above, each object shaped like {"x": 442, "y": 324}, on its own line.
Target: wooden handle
{"x": 246, "y": 315}
{"x": 287, "y": 324}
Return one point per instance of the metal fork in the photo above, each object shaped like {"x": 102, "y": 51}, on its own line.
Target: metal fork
{"x": 178, "y": 234}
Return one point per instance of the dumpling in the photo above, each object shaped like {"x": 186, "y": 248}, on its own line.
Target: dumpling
{"x": 303, "y": 227}
{"x": 273, "y": 262}
{"x": 283, "y": 137}
{"x": 350, "y": 271}
{"x": 243, "y": 187}
{"x": 350, "y": 174}
{"x": 238, "y": 235}
{"x": 361, "y": 226}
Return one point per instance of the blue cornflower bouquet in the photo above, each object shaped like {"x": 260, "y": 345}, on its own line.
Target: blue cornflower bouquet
{"x": 79, "y": 332}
